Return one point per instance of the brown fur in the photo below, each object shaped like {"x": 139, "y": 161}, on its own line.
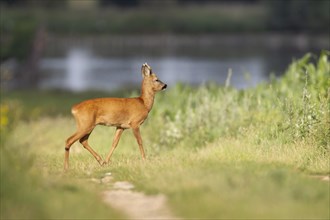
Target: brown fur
{"x": 122, "y": 113}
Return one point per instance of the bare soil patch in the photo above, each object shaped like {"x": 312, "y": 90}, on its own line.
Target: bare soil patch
{"x": 135, "y": 205}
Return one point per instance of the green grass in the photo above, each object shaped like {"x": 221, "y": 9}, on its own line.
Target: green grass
{"x": 31, "y": 190}
{"x": 215, "y": 152}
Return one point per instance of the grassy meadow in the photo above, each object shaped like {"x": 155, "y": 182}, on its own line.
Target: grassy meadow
{"x": 214, "y": 151}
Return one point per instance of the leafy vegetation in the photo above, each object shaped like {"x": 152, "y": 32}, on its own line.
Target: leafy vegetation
{"x": 191, "y": 18}
{"x": 139, "y": 20}
{"x": 293, "y": 108}
{"x": 288, "y": 14}
{"x": 16, "y": 36}
{"x": 213, "y": 151}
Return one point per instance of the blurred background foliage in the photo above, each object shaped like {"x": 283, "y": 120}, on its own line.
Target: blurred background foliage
{"x": 271, "y": 131}
{"x": 20, "y": 19}
{"x": 284, "y": 121}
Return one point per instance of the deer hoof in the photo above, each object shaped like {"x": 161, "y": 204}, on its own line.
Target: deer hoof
{"x": 103, "y": 163}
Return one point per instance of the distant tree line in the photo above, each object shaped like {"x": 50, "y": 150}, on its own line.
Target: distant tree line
{"x": 299, "y": 14}
{"x": 283, "y": 14}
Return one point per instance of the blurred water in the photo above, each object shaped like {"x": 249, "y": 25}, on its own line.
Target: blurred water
{"x": 85, "y": 68}
{"x": 81, "y": 71}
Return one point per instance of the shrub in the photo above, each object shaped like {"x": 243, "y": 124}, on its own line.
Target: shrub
{"x": 292, "y": 108}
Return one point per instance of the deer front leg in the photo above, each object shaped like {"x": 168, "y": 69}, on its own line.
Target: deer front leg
{"x": 136, "y": 132}
{"x": 118, "y": 133}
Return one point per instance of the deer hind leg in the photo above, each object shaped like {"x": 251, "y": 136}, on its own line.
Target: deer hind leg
{"x": 76, "y": 136}
{"x": 80, "y": 133}
{"x": 84, "y": 142}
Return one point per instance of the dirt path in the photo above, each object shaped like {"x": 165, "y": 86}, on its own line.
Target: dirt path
{"x": 135, "y": 205}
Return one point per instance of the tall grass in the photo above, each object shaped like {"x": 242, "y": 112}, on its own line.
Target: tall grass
{"x": 292, "y": 109}
{"x": 33, "y": 187}
{"x": 214, "y": 151}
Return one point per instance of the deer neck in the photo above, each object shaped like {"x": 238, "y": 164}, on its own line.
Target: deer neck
{"x": 147, "y": 96}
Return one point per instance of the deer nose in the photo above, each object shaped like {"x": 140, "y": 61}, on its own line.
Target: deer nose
{"x": 164, "y": 87}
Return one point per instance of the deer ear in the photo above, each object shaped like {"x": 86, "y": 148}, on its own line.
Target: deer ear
{"x": 146, "y": 70}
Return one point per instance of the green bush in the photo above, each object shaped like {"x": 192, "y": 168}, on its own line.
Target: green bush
{"x": 18, "y": 34}
{"x": 294, "y": 107}
{"x": 299, "y": 15}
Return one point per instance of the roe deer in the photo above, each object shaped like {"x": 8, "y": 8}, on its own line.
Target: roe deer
{"x": 123, "y": 113}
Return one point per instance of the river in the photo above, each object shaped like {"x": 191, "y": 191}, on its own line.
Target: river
{"x": 109, "y": 63}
